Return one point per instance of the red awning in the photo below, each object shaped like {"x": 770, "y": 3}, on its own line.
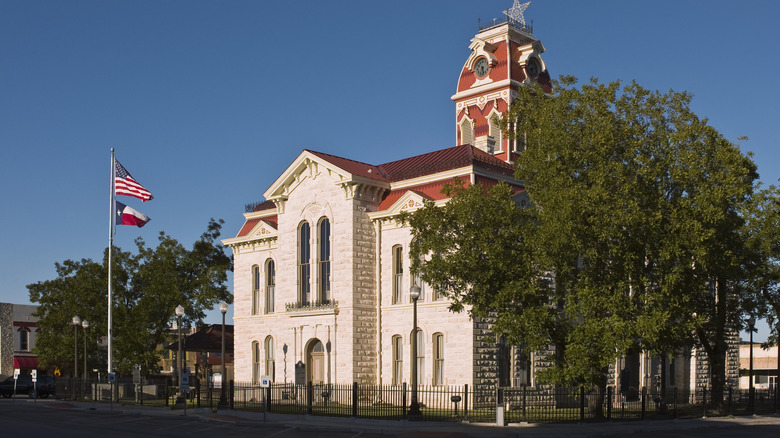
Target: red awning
{"x": 26, "y": 362}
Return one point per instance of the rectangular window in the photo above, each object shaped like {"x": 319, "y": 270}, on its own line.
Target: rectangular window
{"x": 398, "y": 360}
{"x": 398, "y": 273}
{"x": 270, "y": 362}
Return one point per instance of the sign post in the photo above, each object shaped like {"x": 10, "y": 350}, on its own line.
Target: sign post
{"x": 35, "y": 385}
{"x": 16, "y": 377}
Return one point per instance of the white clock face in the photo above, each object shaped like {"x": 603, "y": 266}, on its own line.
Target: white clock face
{"x": 481, "y": 67}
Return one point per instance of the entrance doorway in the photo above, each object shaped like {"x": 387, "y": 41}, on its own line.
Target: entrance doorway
{"x": 315, "y": 362}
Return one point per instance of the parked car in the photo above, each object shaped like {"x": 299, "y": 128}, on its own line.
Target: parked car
{"x": 24, "y": 385}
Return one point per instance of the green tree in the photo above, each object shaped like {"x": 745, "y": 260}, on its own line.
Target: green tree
{"x": 635, "y": 204}
{"x": 147, "y": 286}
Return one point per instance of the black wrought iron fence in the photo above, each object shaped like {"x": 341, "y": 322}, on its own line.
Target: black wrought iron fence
{"x": 437, "y": 403}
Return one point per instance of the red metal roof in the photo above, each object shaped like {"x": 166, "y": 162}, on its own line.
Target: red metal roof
{"x": 430, "y": 191}
{"x": 354, "y": 167}
{"x": 250, "y": 224}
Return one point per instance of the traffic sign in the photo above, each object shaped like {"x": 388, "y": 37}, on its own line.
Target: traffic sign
{"x": 265, "y": 381}
{"x": 16, "y": 373}
{"x": 111, "y": 377}
{"x": 34, "y": 376}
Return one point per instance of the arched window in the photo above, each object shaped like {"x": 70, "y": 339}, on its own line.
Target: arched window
{"x": 398, "y": 360}
{"x": 255, "y": 289}
{"x": 417, "y": 279}
{"x": 466, "y": 132}
{"x": 420, "y": 356}
{"x": 324, "y": 261}
{"x": 304, "y": 263}
{"x": 270, "y": 362}
{"x": 270, "y": 285}
{"x": 438, "y": 359}
{"x": 398, "y": 273}
{"x": 24, "y": 339}
{"x": 255, "y": 362}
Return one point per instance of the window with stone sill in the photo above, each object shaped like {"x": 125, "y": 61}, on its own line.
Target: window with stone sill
{"x": 270, "y": 285}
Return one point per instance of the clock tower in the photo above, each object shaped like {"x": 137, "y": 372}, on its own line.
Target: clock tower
{"x": 504, "y": 57}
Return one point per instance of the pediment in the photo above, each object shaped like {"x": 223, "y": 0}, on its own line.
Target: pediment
{"x": 409, "y": 201}
{"x": 263, "y": 230}
{"x": 310, "y": 165}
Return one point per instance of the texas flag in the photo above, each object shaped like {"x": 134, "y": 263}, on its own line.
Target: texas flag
{"x": 128, "y": 216}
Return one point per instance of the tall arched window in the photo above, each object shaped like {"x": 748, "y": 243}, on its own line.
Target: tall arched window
{"x": 438, "y": 359}
{"x": 270, "y": 285}
{"x": 420, "y": 356}
{"x": 24, "y": 339}
{"x": 255, "y": 362}
{"x": 398, "y": 273}
{"x": 398, "y": 360}
{"x": 324, "y": 261}
{"x": 417, "y": 279}
{"x": 255, "y": 289}
{"x": 304, "y": 263}
{"x": 270, "y": 362}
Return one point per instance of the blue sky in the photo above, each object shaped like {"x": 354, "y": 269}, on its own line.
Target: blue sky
{"x": 207, "y": 102}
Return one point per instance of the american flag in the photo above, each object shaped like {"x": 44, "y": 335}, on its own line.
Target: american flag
{"x": 126, "y": 185}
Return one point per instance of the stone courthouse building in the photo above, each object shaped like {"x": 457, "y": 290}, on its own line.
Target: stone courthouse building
{"x": 321, "y": 274}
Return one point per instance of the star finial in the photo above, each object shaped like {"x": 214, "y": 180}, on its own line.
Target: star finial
{"x": 515, "y": 13}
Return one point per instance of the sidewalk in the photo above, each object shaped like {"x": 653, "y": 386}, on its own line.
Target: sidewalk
{"x": 408, "y": 429}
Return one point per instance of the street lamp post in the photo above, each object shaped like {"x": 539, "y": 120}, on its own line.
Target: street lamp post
{"x": 76, "y": 323}
{"x": 751, "y": 396}
{"x": 180, "y": 366}
{"x": 223, "y": 307}
{"x": 85, "y": 325}
{"x": 414, "y": 408}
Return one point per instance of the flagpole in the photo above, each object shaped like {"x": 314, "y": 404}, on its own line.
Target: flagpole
{"x": 110, "y": 250}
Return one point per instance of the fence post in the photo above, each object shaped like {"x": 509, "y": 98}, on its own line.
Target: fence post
{"x": 268, "y": 398}
{"x": 582, "y": 403}
{"x": 524, "y": 403}
{"x": 466, "y": 402}
{"x": 354, "y": 399}
{"x": 231, "y": 393}
{"x": 644, "y": 400}
{"x": 674, "y": 410}
{"x": 609, "y": 403}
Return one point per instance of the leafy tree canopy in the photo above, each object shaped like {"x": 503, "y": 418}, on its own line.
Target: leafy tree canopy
{"x": 631, "y": 233}
{"x": 147, "y": 287}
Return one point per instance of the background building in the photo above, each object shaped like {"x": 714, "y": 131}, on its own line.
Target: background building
{"x": 18, "y": 331}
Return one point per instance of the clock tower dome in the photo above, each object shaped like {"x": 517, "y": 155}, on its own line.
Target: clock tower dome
{"x": 504, "y": 57}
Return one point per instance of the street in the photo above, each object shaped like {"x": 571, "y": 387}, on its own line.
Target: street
{"x": 24, "y": 417}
